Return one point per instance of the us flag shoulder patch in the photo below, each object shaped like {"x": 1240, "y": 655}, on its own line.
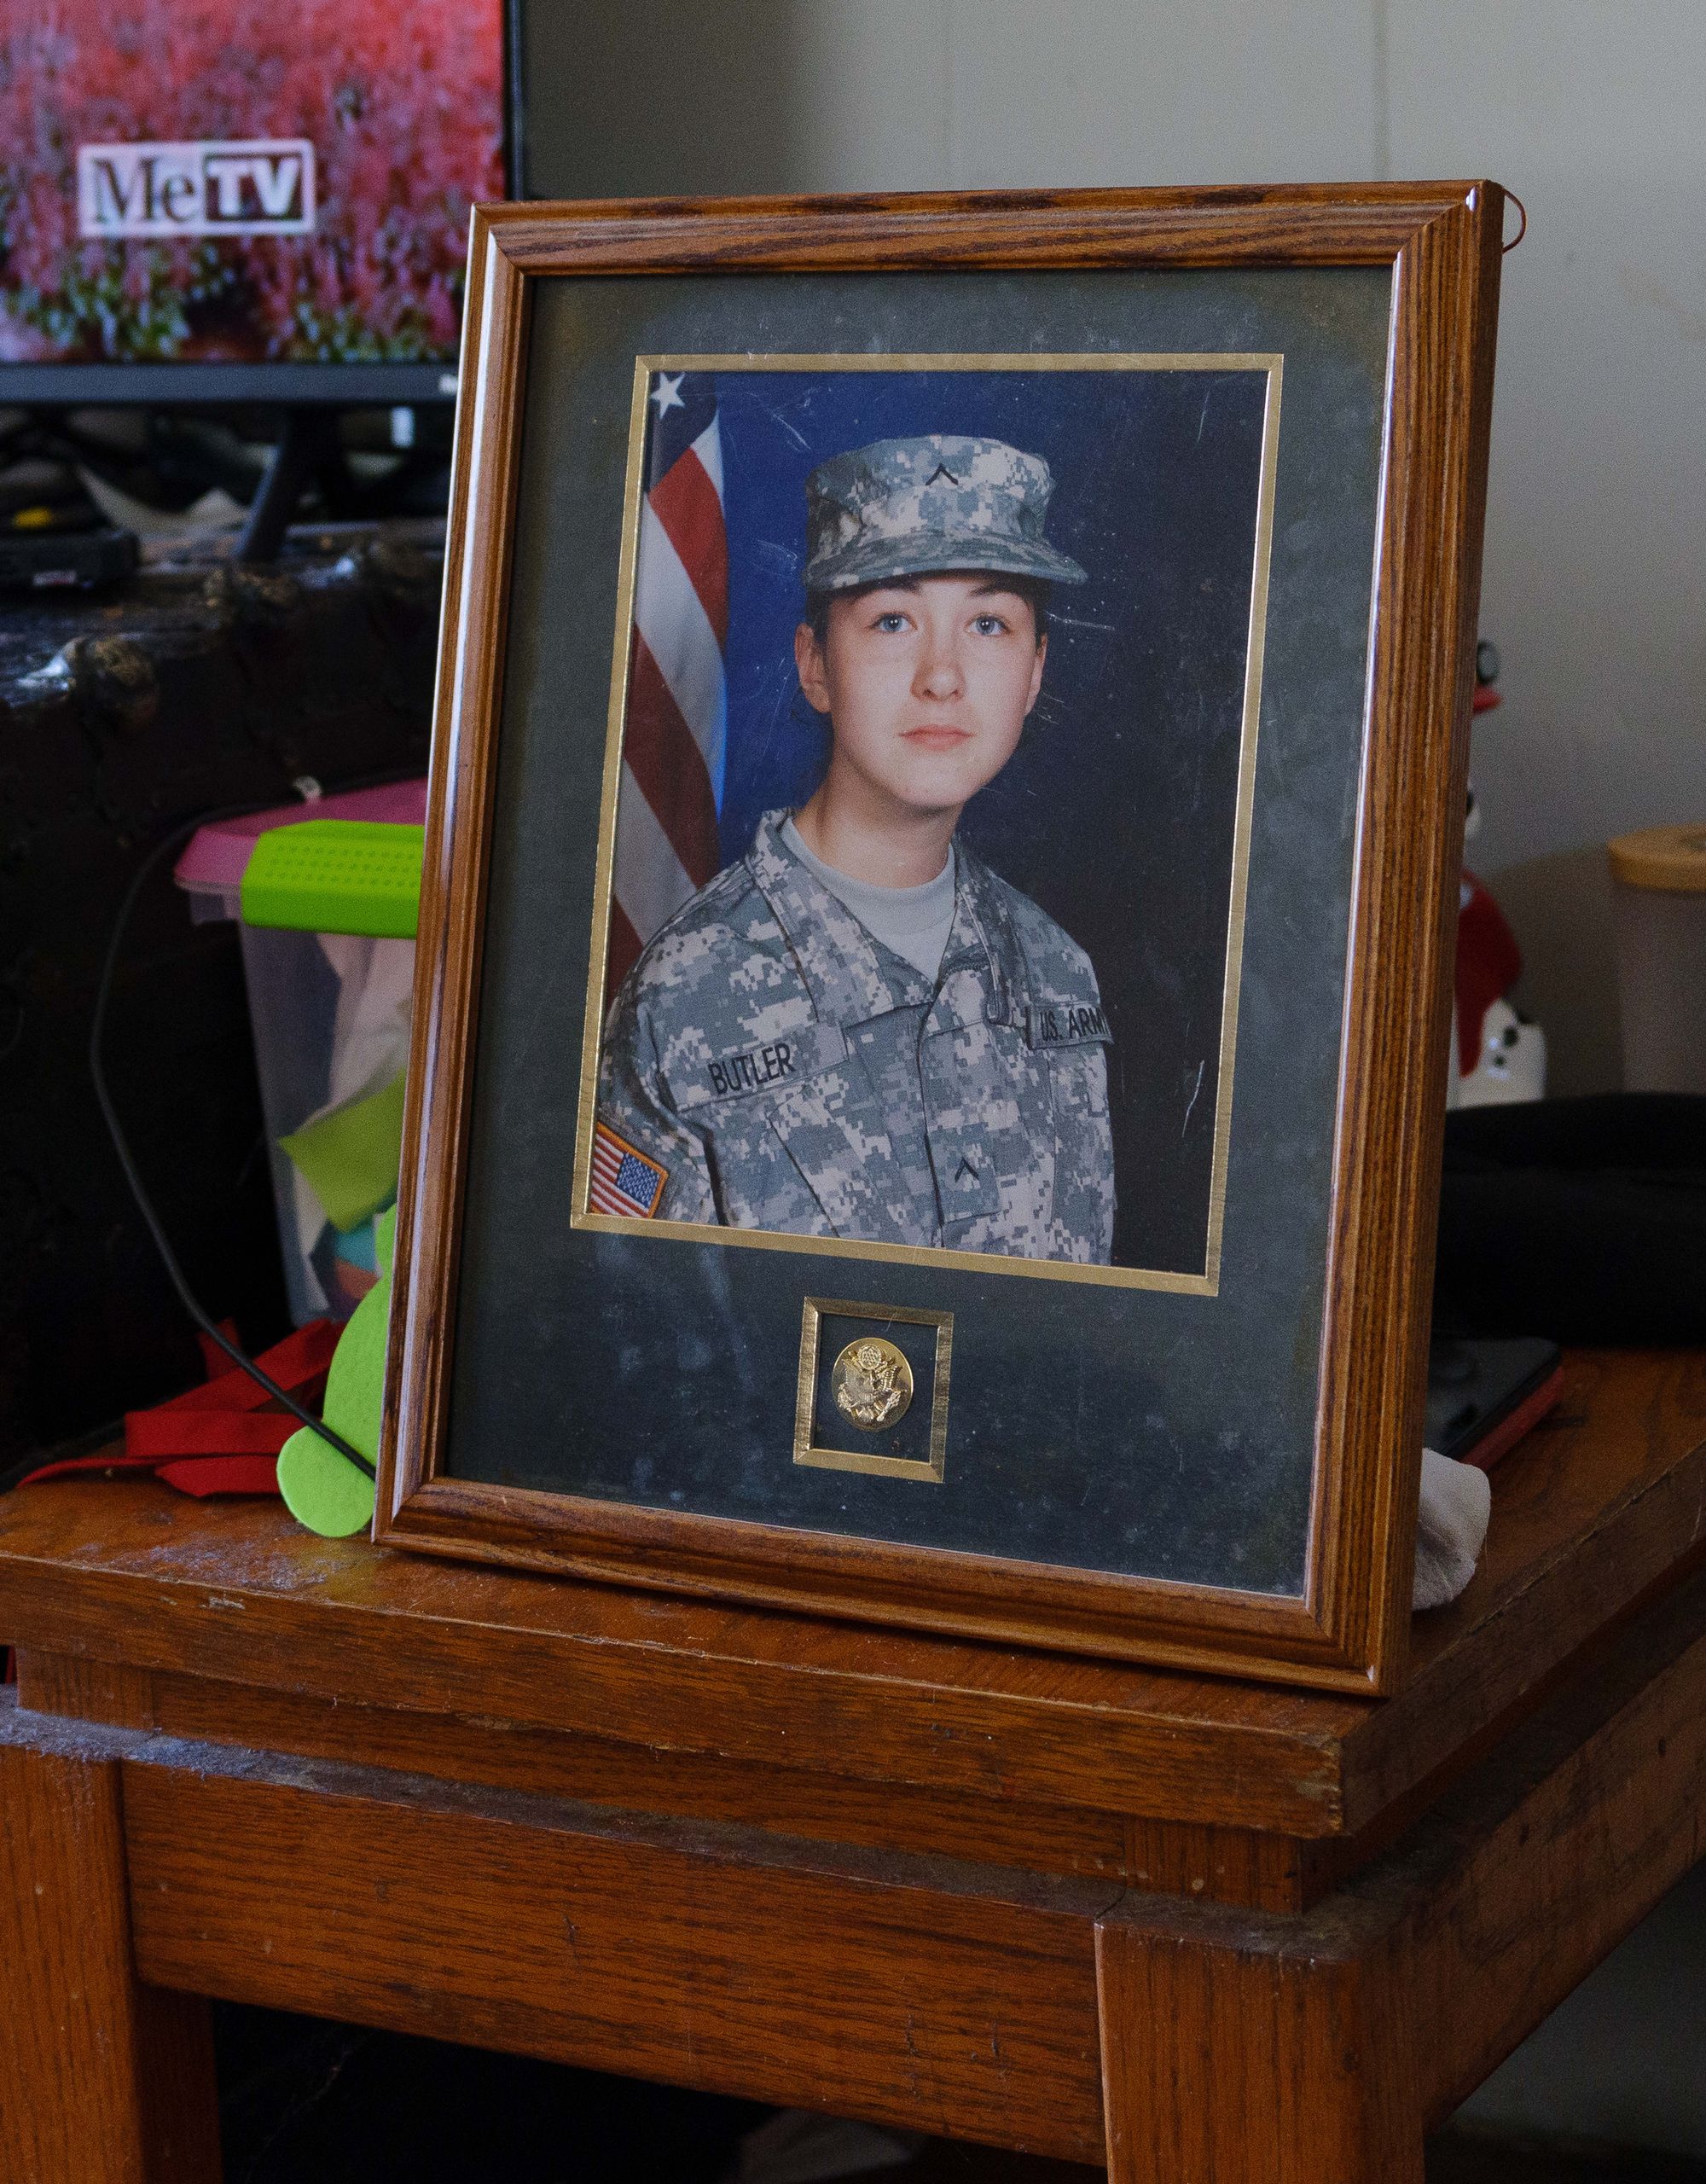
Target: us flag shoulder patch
{"x": 625, "y": 1181}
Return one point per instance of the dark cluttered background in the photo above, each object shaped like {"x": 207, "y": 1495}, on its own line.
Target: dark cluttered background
{"x": 209, "y": 684}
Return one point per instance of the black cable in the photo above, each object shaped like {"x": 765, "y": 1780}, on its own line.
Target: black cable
{"x": 121, "y": 1146}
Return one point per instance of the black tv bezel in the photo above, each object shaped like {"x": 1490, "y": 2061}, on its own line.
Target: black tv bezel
{"x": 197, "y": 386}
{"x": 266, "y": 385}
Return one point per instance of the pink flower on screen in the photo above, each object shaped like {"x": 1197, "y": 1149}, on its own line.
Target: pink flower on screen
{"x": 403, "y": 106}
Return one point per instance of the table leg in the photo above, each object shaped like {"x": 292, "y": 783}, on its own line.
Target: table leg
{"x": 102, "y": 2080}
{"x": 1224, "y": 2064}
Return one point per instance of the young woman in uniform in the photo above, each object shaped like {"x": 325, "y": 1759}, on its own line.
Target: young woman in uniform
{"x": 858, "y": 1030}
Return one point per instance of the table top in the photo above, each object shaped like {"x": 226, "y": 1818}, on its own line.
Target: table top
{"x": 1601, "y": 1508}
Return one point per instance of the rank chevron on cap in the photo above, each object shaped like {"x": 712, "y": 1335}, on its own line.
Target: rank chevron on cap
{"x": 623, "y": 1180}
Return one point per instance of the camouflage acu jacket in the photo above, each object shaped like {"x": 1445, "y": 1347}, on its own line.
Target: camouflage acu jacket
{"x": 783, "y": 1069}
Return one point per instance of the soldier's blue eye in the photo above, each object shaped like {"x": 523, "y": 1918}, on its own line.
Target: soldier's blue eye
{"x": 891, "y": 623}
{"x": 989, "y": 626}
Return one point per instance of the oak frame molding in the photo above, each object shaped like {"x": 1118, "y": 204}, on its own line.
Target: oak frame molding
{"x": 1443, "y": 244}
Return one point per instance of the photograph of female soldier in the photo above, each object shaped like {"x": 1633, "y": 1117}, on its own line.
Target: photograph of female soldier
{"x": 858, "y": 1030}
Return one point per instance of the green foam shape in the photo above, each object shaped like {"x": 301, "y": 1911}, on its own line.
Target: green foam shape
{"x": 350, "y": 1157}
{"x": 321, "y": 1489}
{"x": 337, "y": 875}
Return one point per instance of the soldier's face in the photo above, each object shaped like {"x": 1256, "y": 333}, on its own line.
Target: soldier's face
{"x": 926, "y": 682}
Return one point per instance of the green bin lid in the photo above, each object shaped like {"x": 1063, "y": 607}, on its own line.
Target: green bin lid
{"x": 337, "y": 875}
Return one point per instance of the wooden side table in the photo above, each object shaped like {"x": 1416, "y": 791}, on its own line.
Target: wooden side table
{"x": 1211, "y": 1932}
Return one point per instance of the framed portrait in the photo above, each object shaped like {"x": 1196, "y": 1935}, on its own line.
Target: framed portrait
{"x": 933, "y": 984}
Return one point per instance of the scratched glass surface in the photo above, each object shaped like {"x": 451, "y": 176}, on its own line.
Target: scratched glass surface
{"x": 1114, "y": 816}
{"x": 1124, "y": 1429}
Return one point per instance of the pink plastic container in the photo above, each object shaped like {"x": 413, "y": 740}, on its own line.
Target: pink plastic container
{"x": 329, "y": 1016}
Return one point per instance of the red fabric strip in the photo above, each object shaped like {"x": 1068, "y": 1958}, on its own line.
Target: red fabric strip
{"x": 215, "y": 1363}
{"x": 204, "y": 1475}
{"x": 255, "y": 1473}
{"x": 228, "y": 1416}
{"x": 295, "y": 1364}
{"x": 69, "y": 1467}
{"x": 296, "y": 1360}
{"x": 160, "y": 1435}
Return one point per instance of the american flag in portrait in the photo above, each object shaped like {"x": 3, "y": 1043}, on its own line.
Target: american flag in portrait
{"x": 676, "y": 731}
{"x": 624, "y": 1180}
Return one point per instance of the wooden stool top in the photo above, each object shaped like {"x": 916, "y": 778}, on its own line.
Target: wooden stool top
{"x": 227, "y": 1620}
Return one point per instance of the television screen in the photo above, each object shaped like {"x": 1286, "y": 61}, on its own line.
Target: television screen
{"x": 243, "y": 182}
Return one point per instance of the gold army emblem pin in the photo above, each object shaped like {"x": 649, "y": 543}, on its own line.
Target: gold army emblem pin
{"x": 868, "y": 1388}
{"x": 872, "y": 1383}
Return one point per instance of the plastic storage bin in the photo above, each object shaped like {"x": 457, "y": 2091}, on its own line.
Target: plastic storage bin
{"x": 1660, "y": 877}
{"x": 329, "y": 1012}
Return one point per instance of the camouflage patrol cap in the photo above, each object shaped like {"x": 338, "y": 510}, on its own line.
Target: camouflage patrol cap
{"x": 915, "y": 508}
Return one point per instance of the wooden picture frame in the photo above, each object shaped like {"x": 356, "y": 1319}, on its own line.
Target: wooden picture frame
{"x": 1434, "y": 251}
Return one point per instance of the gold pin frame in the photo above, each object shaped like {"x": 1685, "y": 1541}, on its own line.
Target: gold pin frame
{"x": 815, "y": 1310}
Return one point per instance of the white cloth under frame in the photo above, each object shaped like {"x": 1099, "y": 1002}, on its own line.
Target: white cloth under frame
{"x": 1457, "y": 1500}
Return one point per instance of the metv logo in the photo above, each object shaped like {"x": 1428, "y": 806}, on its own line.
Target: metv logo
{"x": 243, "y": 186}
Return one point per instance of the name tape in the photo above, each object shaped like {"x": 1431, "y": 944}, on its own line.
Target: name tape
{"x": 1066, "y": 1023}
{"x": 752, "y": 1070}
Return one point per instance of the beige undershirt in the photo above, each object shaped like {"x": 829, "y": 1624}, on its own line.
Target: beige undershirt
{"x": 915, "y": 922}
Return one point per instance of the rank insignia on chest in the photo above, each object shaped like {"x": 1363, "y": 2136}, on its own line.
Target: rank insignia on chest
{"x": 625, "y": 1181}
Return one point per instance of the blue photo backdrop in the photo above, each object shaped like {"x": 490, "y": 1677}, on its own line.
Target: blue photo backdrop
{"x": 1116, "y": 814}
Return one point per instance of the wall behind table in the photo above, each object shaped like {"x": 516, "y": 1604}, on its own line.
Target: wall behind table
{"x": 1590, "y": 111}
{"x": 1596, "y": 544}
